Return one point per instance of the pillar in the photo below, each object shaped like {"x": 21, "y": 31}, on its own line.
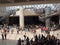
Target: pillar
{"x": 47, "y": 13}
{"x": 59, "y": 18}
{"x": 7, "y": 20}
{"x": 58, "y": 10}
{"x": 21, "y": 17}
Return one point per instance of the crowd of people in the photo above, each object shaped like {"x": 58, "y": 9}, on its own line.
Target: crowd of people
{"x": 39, "y": 40}
{"x": 32, "y": 28}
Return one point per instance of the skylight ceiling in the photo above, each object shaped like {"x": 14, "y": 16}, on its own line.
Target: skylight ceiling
{"x": 38, "y": 6}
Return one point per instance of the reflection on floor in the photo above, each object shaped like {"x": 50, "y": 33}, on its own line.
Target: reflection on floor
{"x": 8, "y": 42}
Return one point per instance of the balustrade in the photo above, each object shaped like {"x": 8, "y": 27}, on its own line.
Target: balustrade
{"x": 17, "y": 1}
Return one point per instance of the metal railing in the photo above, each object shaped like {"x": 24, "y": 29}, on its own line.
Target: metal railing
{"x": 16, "y": 1}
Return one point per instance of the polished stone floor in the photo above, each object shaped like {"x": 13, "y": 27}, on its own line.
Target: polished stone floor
{"x": 12, "y": 38}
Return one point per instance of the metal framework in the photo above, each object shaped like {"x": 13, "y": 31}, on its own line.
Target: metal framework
{"x": 26, "y": 2}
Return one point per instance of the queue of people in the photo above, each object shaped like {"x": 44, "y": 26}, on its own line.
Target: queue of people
{"x": 40, "y": 40}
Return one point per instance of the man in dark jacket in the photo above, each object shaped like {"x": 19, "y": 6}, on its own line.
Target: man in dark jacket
{"x": 27, "y": 41}
{"x": 19, "y": 41}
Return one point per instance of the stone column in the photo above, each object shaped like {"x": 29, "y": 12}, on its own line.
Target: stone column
{"x": 58, "y": 10}
{"x": 47, "y": 13}
{"x": 7, "y": 20}
{"x": 21, "y": 17}
{"x": 59, "y": 19}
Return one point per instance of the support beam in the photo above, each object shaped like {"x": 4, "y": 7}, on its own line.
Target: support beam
{"x": 59, "y": 19}
{"x": 30, "y": 3}
{"x": 47, "y": 13}
{"x": 59, "y": 15}
{"x": 21, "y": 17}
{"x": 11, "y": 1}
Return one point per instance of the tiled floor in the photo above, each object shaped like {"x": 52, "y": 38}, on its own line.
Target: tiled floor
{"x": 12, "y": 38}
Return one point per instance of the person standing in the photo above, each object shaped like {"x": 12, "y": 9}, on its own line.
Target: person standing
{"x": 18, "y": 29}
{"x": 27, "y": 41}
{"x": 2, "y": 31}
{"x": 34, "y": 30}
{"x": 19, "y": 42}
{"x": 5, "y": 33}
